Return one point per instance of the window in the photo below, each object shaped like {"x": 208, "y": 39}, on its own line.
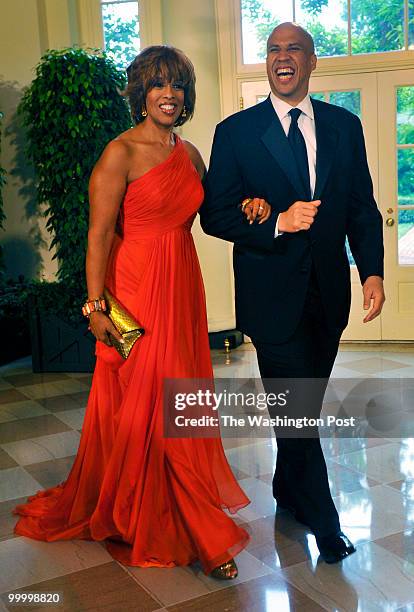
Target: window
{"x": 121, "y": 30}
{"x": 339, "y": 27}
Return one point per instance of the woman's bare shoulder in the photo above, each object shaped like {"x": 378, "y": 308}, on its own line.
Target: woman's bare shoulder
{"x": 122, "y": 143}
{"x": 195, "y": 156}
{"x": 192, "y": 149}
{"x": 114, "y": 160}
{"x": 119, "y": 150}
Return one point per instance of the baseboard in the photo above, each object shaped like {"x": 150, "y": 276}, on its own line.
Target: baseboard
{"x": 378, "y": 345}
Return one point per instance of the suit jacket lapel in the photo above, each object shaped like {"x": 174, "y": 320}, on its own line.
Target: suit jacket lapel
{"x": 326, "y": 142}
{"x": 274, "y": 139}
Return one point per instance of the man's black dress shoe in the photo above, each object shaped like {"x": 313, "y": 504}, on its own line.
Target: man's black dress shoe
{"x": 335, "y": 547}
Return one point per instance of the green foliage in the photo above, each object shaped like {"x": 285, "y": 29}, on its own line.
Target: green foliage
{"x": 263, "y": 20}
{"x": 327, "y": 42}
{"x": 313, "y": 7}
{"x": 253, "y": 10}
{"x": 405, "y": 115}
{"x": 351, "y": 100}
{"x": 13, "y": 299}
{"x": 405, "y": 216}
{"x": 318, "y": 95}
{"x": 405, "y": 135}
{"x": 14, "y": 320}
{"x": 406, "y": 176}
{"x": 121, "y": 37}
{"x": 2, "y": 180}
{"x": 63, "y": 300}
{"x": 2, "y": 215}
{"x": 71, "y": 111}
{"x": 377, "y": 26}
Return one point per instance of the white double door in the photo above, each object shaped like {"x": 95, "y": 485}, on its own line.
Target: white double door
{"x": 385, "y": 103}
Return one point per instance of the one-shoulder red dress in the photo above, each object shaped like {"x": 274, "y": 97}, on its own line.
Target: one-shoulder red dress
{"x": 156, "y": 501}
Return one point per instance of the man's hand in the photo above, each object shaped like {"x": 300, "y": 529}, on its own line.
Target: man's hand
{"x": 299, "y": 216}
{"x": 374, "y": 297}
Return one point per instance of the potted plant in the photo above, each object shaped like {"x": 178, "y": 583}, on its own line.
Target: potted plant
{"x": 71, "y": 110}
{"x": 14, "y": 326}
{"x": 2, "y": 215}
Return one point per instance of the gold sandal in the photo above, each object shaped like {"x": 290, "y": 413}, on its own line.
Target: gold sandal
{"x": 226, "y": 571}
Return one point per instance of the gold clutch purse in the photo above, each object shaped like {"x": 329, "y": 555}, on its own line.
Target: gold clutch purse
{"x": 127, "y": 326}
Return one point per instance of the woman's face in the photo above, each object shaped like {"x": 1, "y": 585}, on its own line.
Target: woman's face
{"x": 165, "y": 102}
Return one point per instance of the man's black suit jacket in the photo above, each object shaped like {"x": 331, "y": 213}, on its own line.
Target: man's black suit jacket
{"x": 251, "y": 157}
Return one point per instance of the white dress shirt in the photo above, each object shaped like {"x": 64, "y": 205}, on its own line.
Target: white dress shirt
{"x": 306, "y": 124}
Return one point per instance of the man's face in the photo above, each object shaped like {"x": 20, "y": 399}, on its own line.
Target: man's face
{"x": 290, "y": 62}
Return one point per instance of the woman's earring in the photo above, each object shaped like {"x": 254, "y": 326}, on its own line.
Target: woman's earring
{"x": 184, "y": 112}
{"x": 144, "y": 112}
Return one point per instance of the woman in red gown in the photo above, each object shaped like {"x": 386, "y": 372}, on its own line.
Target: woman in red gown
{"x": 156, "y": 501}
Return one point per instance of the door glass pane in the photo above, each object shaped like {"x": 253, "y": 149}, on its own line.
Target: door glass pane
{"x": 406, "y": 237}
{"x": 411, "y": 24}
{"x": 405, "y": 158}
{"x": 405, "y": 115}
{"x": 348, "y": 252}
{"x": 405, "y": 165}
{"x": 320, "y": 95}
{"x": 327, "y": 21}
{"x": 121, "y": 30}
{"x": 259, "y": 17}
{"x": 351, "y": 100}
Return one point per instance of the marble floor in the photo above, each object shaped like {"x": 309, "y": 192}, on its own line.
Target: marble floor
{"x": 372, "y": 481}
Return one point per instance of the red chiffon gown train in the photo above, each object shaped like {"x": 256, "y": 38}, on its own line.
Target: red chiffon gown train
{"x": 155, "y": 501}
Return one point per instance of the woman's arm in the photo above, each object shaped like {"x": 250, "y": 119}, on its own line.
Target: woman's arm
{"x": 106, "y": 190}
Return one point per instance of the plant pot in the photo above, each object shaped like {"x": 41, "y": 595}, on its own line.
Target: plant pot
{"x": 59, "y": 345}
{"x": 233, "y": 336}
{"x": 15, "y": 339}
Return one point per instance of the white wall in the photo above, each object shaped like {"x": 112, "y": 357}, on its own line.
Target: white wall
{"x": 191, "y": 26}
{"x": 27, "y": 29}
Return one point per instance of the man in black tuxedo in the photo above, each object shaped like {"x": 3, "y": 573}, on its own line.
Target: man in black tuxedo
{"x": 303, "y": 164}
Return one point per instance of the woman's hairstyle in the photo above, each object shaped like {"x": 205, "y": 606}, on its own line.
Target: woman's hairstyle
{"x": 153, "y": 63}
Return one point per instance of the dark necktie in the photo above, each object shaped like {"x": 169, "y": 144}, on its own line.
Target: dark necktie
{"x": 297, "y": 142}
